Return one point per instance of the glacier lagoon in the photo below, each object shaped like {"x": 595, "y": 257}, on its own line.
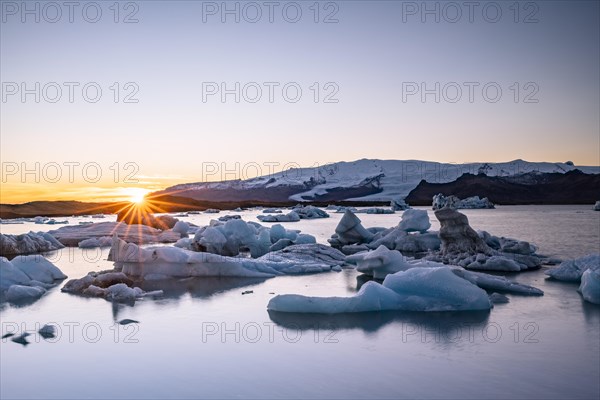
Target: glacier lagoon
{"x": 207, "y": 339}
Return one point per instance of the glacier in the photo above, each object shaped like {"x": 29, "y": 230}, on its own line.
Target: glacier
{"x": 368, "y": 179}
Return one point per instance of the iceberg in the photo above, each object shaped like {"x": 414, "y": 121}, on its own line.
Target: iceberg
{"x": 28, "y": 243}
{"x": 292, "y": 216}
{"x": 597, "y": 206}
{"x": 102, "y": 241}
{"x": 590, "y": 285}
{"x": 72, "y": 235}
{"x": 39, "y": 269}
{"x": 414, "y": 221}
{"x": 573, "y": 270}
{"x": 351, "y": 237}
{"x": 26, "y": 278}
{"x": 235, "y": 236}
{"x": 461, "y": 245}
{"x": 182, "y": 228}
{"x": 19, "y": 293}
{"x": 440, "y": 201}
{"x": 380, "y": 262}
{"x": 309, "y": 212}
{"x": 271, "y": 211}
{"x": 375, "y": 210}
{"x": 226, "y": 218}
{"x": 350, "y": 231}
{"x": 496, "y": 283}
{"x": 398, "y": 204}
{"x": 416, "y": 289}
{"x": 173, "y": 262}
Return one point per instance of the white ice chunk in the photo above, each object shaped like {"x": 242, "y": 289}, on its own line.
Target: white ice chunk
{"x": 381, "y": 262}
{"x": 590, "y": 286}
{"x": 416, "y": 289}
{"x": 11, "y": 275}
{"x": 572, "y": 270}
{"x": 182, "y": 228}
{"x": 102, "y": 241}
{"x": 38, "y": 268}
{"x": 17, "y": 293}
{"x": 414, "y": 221}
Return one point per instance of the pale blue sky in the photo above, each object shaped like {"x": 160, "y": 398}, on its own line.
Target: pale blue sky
{"x": 368, "y": 54}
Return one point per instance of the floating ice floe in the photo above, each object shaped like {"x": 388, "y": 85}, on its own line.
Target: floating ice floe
{"x": 15, "y": 221}
{"x": 309, "y": 212}
{"x": 28, "y": 243}
{"x": 299, "y": 212}
{"x": 375, "y": 210}
{"x": 573, "y": 270}
{"x": 292, "y": 216}
{"x": 226, "y": 218}
{"x": 351, "y": 237}
{"x": 26, "y": 278}
{"x": 414, "y": 221}
{"x": 212, "y": 211}
{"x": 235, "y": 236}
{"x": 440, "y": 201}
{"x": 382, "y": 262}
{"x": 416, "y": 289}
{"x": 272, "y": 211}
{"x": 165, "y": 262}
{"x": 182, "y": 228}
{"x": 398, "y": 204}
{"x": 340, "y": 209}
{"x": 110, "y": 285}
{"x": 590, "y": 285}
{"x": 72, "y": 235}
{"x": 462, "y": 246}
{"x": 102, "y": 241}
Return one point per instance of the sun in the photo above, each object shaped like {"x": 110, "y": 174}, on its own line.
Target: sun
{"x": 136, "y": 195}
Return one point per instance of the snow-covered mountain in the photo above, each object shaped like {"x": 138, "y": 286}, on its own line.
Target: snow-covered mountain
{"x": 361, "y": 180}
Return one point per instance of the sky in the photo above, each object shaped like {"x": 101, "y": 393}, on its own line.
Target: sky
{"x": 104, "y": 102}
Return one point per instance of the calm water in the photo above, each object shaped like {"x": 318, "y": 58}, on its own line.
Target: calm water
{"x": 206, "y": 339}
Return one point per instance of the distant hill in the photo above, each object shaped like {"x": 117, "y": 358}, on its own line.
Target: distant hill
{"x": 57, "y": 209}
{"x": 573, "y": 187}
{"x": 361, "y": 182}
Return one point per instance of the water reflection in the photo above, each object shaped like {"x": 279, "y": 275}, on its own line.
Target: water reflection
{"x": 445, "y": 323}
{"x": 200, "y": 287}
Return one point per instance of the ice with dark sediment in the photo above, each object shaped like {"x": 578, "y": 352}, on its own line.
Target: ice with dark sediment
{"x": 28, "y": 243}
{"x": 72, "y": 235}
